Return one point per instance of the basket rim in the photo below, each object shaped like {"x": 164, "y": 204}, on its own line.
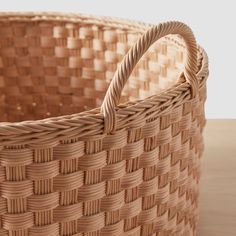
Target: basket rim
{"x": 91, "y": 122}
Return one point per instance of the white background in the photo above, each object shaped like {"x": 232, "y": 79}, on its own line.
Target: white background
{"x": 213, "y": 22}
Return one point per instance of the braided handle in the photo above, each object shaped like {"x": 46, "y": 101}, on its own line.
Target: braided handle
{"x": 130, "y": 60}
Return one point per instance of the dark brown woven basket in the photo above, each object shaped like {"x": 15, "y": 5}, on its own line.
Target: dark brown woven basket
{"x": 73, "y": 163}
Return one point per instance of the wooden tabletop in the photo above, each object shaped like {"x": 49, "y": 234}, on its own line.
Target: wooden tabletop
{"x": 218, "y": 182}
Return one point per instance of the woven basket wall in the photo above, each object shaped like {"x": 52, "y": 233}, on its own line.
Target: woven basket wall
{"x": 77, "y": 158}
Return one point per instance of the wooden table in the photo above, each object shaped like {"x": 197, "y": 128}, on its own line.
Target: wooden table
{"x": 218, "y": 182}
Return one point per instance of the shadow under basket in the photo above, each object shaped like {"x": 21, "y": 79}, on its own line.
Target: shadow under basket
{"x": 100, "y": 127}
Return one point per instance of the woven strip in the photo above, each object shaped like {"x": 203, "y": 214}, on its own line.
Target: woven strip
{"x": 60, "y": 173}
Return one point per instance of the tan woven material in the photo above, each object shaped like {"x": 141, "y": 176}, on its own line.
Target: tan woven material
{"x": 69, "y": 167}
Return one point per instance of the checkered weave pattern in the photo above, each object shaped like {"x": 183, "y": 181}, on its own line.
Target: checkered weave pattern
{"x": 69, "y": 168}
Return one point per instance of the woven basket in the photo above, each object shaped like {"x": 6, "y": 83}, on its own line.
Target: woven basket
{"x": 75, "y": 163}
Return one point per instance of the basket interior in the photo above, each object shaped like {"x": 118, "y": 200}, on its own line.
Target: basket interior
{"x": 53, "y": 68}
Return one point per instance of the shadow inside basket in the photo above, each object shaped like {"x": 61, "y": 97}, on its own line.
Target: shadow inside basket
{"x": 50, "y": 69}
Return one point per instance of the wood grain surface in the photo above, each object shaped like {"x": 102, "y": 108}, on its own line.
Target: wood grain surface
{"x": 218, "y": 182}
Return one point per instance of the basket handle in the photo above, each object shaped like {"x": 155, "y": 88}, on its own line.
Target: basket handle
{"x": 130, "y": 60}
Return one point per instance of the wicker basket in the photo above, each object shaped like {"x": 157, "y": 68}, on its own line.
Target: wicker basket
{"x": 74, "y": 163}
